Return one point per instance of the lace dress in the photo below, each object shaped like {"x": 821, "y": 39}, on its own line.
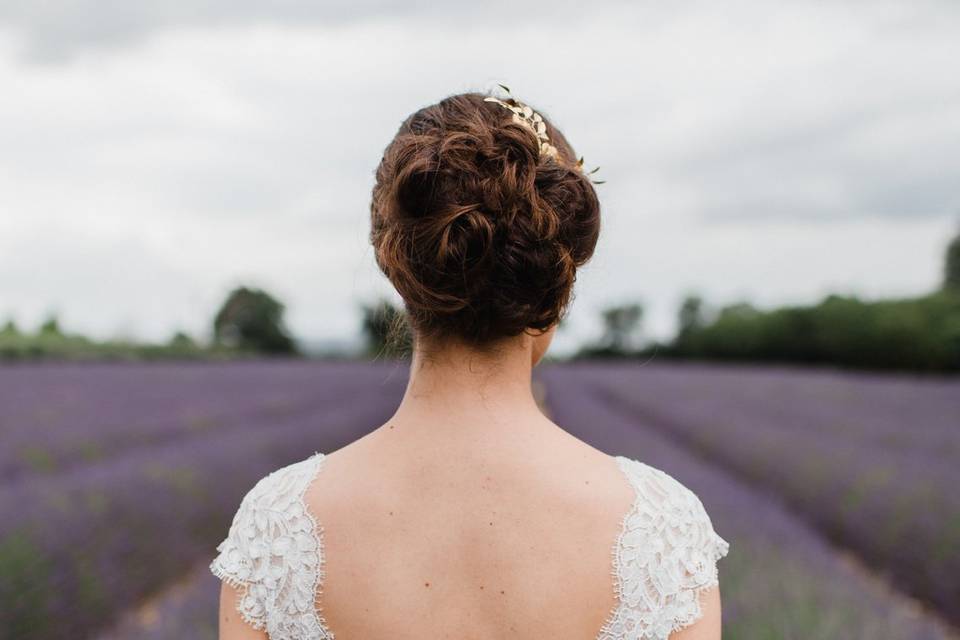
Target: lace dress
{"x": 665, "y": 553}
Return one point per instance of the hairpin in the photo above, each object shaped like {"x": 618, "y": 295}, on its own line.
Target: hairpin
{"x": 527, "y": 117}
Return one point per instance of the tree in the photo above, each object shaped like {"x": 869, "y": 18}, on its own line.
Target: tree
{"x": 622, "y": 327}
{"x": 181, "y": 340}
{"x": 951, "y": 265}
{"x": 253, "y": 319}
{"x": 690, "y": 316}
{"x": 385, "y": 329}
{"x": 51, "y": 327}
{"x": 10, "y": 328}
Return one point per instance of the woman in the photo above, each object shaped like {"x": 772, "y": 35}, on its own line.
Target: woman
{"x": 469, "y": 513}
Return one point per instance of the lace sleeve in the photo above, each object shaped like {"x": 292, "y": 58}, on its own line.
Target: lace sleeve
{"x": 665, "y": 556}
{"x": 273, "y": 556}
{"x": 692, "y": 549}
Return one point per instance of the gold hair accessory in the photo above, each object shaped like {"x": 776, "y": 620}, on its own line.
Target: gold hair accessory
{"x": 527, "y": 117}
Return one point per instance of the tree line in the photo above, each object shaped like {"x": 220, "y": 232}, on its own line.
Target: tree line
{"x": 919, "y": 333}
{"x": 249, "y": 323}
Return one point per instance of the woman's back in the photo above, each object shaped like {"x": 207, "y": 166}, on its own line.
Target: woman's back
{"x": 473, "y": 541}
{"x": 478, "y": 537}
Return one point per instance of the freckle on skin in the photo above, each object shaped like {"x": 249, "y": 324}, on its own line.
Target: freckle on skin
{"x": 502, "y": 592}
{"x": 426, "y": 584}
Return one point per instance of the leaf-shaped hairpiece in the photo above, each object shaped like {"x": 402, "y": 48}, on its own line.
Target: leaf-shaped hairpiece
{"x": 527, "y": 117}
{"x": 589, "y": 173}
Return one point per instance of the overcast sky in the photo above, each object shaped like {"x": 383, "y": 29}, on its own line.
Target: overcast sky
{"x": 155, "y": 154}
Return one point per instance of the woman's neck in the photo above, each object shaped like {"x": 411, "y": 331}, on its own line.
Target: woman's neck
{"x": 460, "y": 393}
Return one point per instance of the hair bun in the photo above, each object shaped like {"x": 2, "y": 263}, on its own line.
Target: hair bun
{"x": 480, "y": 235}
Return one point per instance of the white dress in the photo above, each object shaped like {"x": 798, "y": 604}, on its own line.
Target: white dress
{"x": 665, "y": 553}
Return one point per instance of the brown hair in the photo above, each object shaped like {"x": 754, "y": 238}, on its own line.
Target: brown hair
{"x": 480, "y": 235}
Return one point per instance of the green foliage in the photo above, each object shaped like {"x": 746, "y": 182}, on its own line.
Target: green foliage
{"x": 385, "y": 329}
{"x": 57, "y": 345}
{"x": 921, "y": 334}
{"x": 690, "y": 317}
{"x": 181, "y": 340}
{"x": 951, "y": 266}
{"x": 9, "y": 329}
{"x": 251, "y": 319}
{"x": 249, "y": 323}
{"x": 51, "y": 327}
{"x": 24, "y": 568}
{"x": 622, "y": 325}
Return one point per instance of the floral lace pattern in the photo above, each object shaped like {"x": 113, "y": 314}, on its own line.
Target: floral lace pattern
{"x": 664, "y": 555}
{"x": 273, "y": 555}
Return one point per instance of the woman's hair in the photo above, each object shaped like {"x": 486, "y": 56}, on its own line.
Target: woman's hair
{"x": 479, "y": 232}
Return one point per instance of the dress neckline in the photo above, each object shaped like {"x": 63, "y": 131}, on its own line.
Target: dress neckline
{"x": 664, "y": 555}
{"x": 315, "y": 466}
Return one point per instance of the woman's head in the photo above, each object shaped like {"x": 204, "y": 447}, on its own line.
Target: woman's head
{"x": 479, "y": 231}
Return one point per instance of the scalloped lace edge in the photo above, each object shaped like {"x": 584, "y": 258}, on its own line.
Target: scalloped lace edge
{"x": 615, "y": 565}
{"x": 317, "y": 531}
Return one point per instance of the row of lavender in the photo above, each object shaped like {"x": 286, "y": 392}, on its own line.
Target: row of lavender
{"x": 55, "y": 416}
{"x": 872, "y": 461}
{"x": 782, "y": 579}
{"x": 90, "y": 538}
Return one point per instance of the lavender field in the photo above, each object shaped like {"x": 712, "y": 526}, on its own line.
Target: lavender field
{"x": 837, "y": 491}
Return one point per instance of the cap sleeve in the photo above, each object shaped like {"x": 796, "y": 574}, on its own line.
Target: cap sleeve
{"x": 666, "y": 556}
{"x": 273, "y": 555}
